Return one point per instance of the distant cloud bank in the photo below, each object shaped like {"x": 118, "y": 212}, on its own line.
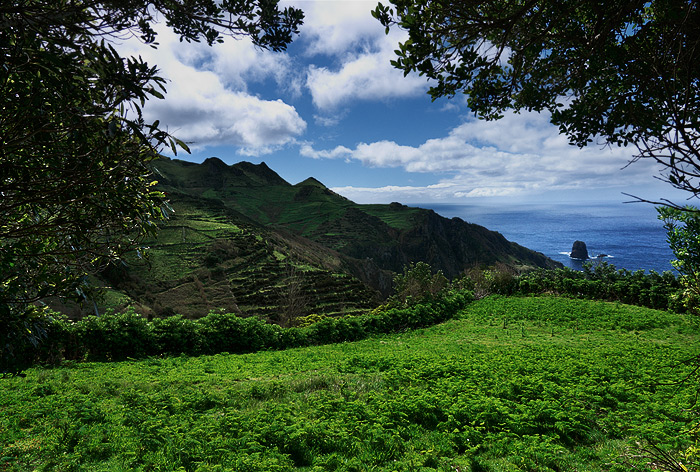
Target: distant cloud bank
{"x": 522, "y": 153}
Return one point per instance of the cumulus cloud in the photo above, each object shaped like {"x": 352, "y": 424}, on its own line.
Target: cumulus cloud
{"x": 365, "y": 76}
{"x": 238, "y": 62}
{"x": 332, "y": 27}
{"x": 208, "y": 103}
{"x": 199, "y": 109}
{"x": 520, "y": 154}
{"x": 360, "y": 53}
{"x": 307, "y": 150}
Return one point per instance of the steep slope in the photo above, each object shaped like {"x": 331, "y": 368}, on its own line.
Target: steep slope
{"x": 244, "y": 240}
{"x": 207, "y": 257}
{"x": 449, "y": 244}
{"x": 390, "y": 236}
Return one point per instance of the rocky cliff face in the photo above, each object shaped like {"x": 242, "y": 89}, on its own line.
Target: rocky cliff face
{"x": 454, "y": 245}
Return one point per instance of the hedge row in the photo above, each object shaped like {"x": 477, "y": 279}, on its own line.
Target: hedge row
{"x": 128, "y": 335}
{"x": 595, "y": 282}
{"x": 604, "y": 282}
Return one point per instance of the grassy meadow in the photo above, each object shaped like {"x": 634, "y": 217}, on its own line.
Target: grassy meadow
{"x": 512, "y": 384}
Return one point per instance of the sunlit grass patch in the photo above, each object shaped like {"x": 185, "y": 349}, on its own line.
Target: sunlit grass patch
{"x": 541, "y": 393}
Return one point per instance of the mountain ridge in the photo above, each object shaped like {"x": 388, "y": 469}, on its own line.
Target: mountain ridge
{"x": 244, "y": 240}
{"x": 392, "y": 235}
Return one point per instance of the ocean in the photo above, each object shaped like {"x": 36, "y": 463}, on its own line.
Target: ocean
{"x": 629, "y": 235}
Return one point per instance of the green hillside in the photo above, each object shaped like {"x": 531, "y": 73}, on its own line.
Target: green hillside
{"x": 207, "y": 257}
{"x": 390, "y": 235}
{"x": 512, "y": 384}
{"x": 243, "y": 240}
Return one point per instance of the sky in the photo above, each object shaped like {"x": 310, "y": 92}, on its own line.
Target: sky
{"x": 332, "y": 107}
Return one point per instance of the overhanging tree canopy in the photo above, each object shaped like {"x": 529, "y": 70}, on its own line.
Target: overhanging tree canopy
{"x": 617, "y": 72}
{"x": 76, "y": 190}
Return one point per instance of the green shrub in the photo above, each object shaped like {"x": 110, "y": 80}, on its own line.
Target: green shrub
{"x": 352, "y": 328}
{"x": 336, "y": 330}
{"x": 226, "y": 332}
{"x": 499, "y": 279}
{"x": 176, "y": 335}
{"x": 114, "y": 336}
{"x": 292, "y": 337}
{"x": 418, "y": 283}
{"x": 23, "y": 336}
{"x": 308, "y": 320}
{"x": 129, "y": 335}
{"x": 324, "y": 332}
{"x": 59, "y": 337}
{"x": 683, "y": 230}
{"x": 604, "y": 282}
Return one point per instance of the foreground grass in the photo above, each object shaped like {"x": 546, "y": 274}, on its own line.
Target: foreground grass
{"x": 515, "y": 384}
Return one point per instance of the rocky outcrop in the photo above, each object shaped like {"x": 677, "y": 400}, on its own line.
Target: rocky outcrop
{"x": 454, "y": 245}
{"x": 579, "y": 251}
{"x": 450, "y": 245}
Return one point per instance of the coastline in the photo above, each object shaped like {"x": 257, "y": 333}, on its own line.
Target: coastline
{"x": 629, "y": 235}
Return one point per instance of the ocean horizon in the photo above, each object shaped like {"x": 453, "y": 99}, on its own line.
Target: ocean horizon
{"x": 626, "y": 235}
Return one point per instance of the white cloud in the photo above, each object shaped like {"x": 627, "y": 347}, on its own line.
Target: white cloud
{"x": 207, "y": 101}
{"x": 360, "y": 53}
{"x": 236, "y": 61}
{"x": 366, "y": 76}
{"x": 520, "y": 154}
{"x": 328, "y": 120}
{"x": 333, "y": 27}
{"x": 341, "y": 151}
{"x": 239, "y": 62}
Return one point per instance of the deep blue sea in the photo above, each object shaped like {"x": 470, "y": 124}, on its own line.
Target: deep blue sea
{"x": 628, "y": 233}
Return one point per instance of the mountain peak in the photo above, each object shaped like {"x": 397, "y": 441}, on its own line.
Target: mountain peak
{"x": 214, "y": 163}
{"x": 259, "y": 174}
{"x": 310, "y": 182}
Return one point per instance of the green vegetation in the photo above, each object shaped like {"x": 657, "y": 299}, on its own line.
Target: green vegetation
{"x": 75, "y": 151}
{"x": 513, "y": 384}
{"x": 432, "y": 380}
{"x": 417, "y": 284}
{"x": 421, "y": 298}
{"x": 129, "y": 335}
{"x": 390, "y": 236}
{"x": 395, "y": 215}
{"x": 207, "y": 257}
{"x": 683, "y": 229}
{"x": 242, "y": 240}
{"x": 594, "y": 282}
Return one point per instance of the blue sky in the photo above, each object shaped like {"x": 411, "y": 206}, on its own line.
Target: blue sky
{"x": 332, "y": 107}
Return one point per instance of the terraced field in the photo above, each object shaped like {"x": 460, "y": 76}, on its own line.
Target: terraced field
{"x": 208, "y": 258}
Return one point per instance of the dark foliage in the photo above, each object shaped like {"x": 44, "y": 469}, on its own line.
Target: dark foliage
{"x": 603, "y": 282}
{"x": 75, "y": 151}
{"x": 128, "y": 335}
{"x": 620, "y": 71}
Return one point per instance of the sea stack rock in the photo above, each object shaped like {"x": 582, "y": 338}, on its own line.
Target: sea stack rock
{"x": 579, "y": 251}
